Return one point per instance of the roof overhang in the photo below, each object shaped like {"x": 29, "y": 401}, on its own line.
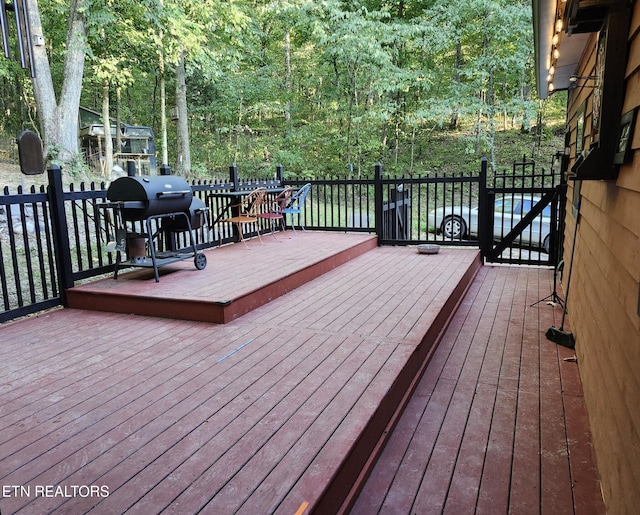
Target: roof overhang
{"x": 580, "y": 18}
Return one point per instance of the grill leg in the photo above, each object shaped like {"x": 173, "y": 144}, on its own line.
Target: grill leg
{"x": 152, "y": 250}
{"x": 192, "y": 236}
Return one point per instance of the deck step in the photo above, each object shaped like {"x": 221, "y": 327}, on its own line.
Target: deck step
{"x": 423, "y": 340}
{"x": 235, "y": 281}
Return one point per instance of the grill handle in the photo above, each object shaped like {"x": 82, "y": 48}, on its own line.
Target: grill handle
{"x": 181, "y": 193}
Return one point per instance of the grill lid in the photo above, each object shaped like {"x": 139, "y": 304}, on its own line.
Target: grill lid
{"x": 143, "y": 197}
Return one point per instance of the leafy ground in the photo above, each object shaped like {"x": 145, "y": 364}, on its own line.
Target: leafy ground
{"x": 459, "y": 152}
{"x": 10, "y": 176}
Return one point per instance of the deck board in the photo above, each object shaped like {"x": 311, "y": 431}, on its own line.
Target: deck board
{"x": 189, "y": 415}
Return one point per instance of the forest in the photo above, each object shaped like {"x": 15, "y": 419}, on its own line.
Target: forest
{"x": 325, "y": 88}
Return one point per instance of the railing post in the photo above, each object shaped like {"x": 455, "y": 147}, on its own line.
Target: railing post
{"x": 378, "y": 200}
{"x": 233, "y": 177}
{"x": 60, "y": 232}
{"x": 280, "y": 174}
{"x": 483, "y": 232}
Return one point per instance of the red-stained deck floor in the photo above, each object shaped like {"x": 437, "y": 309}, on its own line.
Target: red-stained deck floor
{"x": 280, "y": 409}
{"x": 497, "y": 423}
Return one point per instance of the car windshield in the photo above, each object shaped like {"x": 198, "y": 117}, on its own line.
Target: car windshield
{"x": 519, "y": 206}
{"x": 528, "y": 204}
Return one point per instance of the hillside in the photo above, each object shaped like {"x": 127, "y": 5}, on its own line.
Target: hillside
{"x": 438, "y": 152}
{"x": 456, "y": 151}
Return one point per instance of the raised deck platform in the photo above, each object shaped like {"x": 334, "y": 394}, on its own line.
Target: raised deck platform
{"x": 235, "y": 281}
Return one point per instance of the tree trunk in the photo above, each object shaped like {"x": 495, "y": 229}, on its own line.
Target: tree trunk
{"x": 353, "y": 99}
{"x": 237, "y": 131}
{"x": 163, "y": 104}
{"x": 287, "y": 76}
{"x": 118, "y": 148}
{"x": 106, "y": 124}
{"x": 163, "y": 97}
{"x": 413, "y": 149}
{"x": 59, "y": 121}
{"x": 184, "y": 151}
{"x": 491, "y": 101}
{"x": 453, "y": 122}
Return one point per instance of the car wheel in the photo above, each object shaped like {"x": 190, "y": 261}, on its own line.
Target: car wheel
{"x": 546, "y": 243}
{"x": 454, "y": 227}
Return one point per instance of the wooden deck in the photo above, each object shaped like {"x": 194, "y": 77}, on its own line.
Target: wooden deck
{"x": 284, "y": 409}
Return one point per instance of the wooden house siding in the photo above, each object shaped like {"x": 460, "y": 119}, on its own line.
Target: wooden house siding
{"x": 604, "y": 295}
{"x": 580, "y": 102}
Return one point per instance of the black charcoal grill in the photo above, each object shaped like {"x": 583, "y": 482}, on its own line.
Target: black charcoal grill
{"x": 166, "y": 198}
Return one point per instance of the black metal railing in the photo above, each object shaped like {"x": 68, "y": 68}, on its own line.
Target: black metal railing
{"x": 51, "y": 239}
{"x": 400, "y": 210}
{"x": 28, "y": 275}
{"x": 522, "y": 215}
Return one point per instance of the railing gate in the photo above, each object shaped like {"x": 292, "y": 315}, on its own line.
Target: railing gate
{"x": 521, "y": 214}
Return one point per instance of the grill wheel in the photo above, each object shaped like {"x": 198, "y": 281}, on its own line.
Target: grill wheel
{"x": 200, "y": 261}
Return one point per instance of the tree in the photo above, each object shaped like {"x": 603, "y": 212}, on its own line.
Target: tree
{"x": 58, "y": 114}
{"x": 192, "y": 33}
{"x": 478, "y": 53}
{"x": 183, "y": 145}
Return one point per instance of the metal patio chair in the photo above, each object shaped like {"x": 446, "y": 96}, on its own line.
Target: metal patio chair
{"x": 246, "y": 212}
{"x": 296, "y": 205}
{"x": 275, "y": 211}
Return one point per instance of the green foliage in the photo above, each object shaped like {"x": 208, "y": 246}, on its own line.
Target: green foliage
{"x": 75, "y": 169}
{"x": 318, "y": 85}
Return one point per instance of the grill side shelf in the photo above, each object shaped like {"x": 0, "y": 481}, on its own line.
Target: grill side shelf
{"x": 124, "y": 204}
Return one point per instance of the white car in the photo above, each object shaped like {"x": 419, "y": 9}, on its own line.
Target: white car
{"x": 459, "y": 222}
